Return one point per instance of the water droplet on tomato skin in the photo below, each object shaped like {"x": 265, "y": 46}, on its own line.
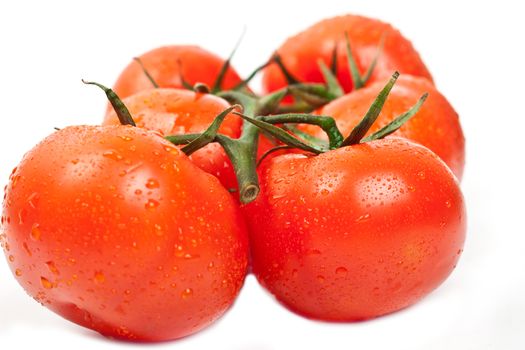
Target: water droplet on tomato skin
{"x": 112, "y": 154}
{"x": 151, "y": 204}
{"x": 341, "y": 271}
{"x": 33, "y": 199}
{"x": 46, "y": 283}
{"x": 52, "y": 267}
{"x": 126, "y": 138}
{"x": 363, "y": 218}
{"x": 18, "y": 272}
{"x": 186, "y": 293}
{"x": 152, "y": 184}
{"x": 26, "y": 248}
{"x": 21, "y": 216}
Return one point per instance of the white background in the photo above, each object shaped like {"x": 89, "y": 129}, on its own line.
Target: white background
{"x": 475, "y": 50}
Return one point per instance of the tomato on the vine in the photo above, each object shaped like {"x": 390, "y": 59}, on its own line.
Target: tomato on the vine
{"x": 436, "y": 126}
{"x": 356, "y": 232}
{"x": 113, "y": 228}
{"x": 300, "y": 53}
{"x": 169, "y": 65}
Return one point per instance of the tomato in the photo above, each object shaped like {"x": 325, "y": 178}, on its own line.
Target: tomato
{"x": 115, "y": 229}
{"x": 300, "y": 53}
{"x": 166, "y": 65}
{"x": 435, "y": 126}
{"x": 356, "y": 232}
{"x": 175, "y": 112}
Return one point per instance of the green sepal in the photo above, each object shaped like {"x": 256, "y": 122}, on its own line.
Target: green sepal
{"x": 398, "y": 122}
{"x": 371, "y": 115}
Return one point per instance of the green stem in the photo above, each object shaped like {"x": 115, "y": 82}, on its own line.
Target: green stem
{"x": 242, "y": 154}
{"x": 246, "y": 81}
{"x": 146, "y": 73}
{"x": 217, "y": 86}
{"x": 287, "y": 74}
{"x": 326, "y": 123}
{"x": 120, "y": 108}
{"x": 209, "y": 135}
{"x": 183, "y": 80}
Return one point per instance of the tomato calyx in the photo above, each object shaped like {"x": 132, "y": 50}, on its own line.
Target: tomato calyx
{"x": 317, "y": 95}
{"x": 242, "y": 151}
{"x": 120, "y": 108}
{"x": 329, "y": 126}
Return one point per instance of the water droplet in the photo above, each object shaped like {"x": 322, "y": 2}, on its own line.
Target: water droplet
{"x": 11, "y": 258}
{"x": 341, "y": 271}
{"x": 151, "y": 204}
{"x": 112, "y": 154}
{"x": 152, "y": 183}
{"x": 35, "y": 232}
{"x": 99, "y": 277}
{"x": 14, "y": 181}
{"x": 363, "y": 218}
{"x": 421, "y": 175}
{"x": 278, "y": 196}
{"x": 210, "y": 266}
{"x": 320, "y": 278}
{"x": 33, "y": 200}
{"x": 314, "y": 252}
{"x": 126, "y": 138}
{"x": 52, "y": 267}
{"x": 26, "y": 248}
{"x": 46, "y": 283}
{"x": 186, "y": 293}
{"x": 158, "y": 230}
{"x": 172, "y": 150}
{"x": 18, "y": 272}
{"x": 448, "y": 204}
{"x": 21, "y": 216}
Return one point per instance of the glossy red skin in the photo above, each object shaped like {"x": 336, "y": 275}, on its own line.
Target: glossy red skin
{"x": 435, "y": 126}
{"x": 196, "y": 66}
{"x": 300, "y": 53}
{"x": 357, "y": 232}
{"x": 115, "y": 229}
{"x": 177, "y": 112}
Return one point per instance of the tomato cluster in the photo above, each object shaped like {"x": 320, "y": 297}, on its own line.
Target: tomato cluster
{"x": 142, "y": 228}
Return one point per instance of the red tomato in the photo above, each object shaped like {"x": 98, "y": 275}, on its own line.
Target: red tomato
{"x": 357, "y": 232}
{"x": 166, "y": 64}
{"x": 300, "y": 53}
{"x": 115, "y": 229}
{"x": 176, "y": 112}
{"x": 435, "y": 126}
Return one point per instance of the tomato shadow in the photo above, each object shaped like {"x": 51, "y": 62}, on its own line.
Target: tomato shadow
{"x": 17, "y": 308}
